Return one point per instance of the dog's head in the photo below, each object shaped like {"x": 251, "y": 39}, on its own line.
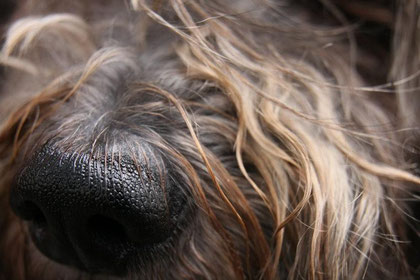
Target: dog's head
{"x": 199, "y": 139}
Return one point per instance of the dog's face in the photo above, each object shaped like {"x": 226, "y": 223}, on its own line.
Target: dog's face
{"x": 195, "y": 140}
{"x": 132, "y": 176}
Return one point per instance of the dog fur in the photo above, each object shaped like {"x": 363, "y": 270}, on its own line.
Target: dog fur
{"x": 292, "y": 128}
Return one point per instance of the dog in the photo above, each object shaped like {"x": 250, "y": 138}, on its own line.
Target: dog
{"x": 244, "y": 139}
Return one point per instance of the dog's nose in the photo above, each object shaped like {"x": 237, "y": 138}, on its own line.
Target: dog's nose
{"x": 95, "y": 214}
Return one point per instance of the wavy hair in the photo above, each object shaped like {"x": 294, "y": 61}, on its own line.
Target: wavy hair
{"x": 298, "y": 167}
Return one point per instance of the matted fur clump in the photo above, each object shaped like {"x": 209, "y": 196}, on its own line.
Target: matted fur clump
{"x": 264, "y": 139}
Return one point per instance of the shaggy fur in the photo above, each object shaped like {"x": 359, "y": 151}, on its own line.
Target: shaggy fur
{"x": 291, "y": 124}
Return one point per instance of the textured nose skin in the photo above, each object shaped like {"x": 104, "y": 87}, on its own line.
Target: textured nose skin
{"x": 95, "y": 214}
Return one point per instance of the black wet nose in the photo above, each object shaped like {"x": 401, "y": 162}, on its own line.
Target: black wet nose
{"x": 96, "y": 214}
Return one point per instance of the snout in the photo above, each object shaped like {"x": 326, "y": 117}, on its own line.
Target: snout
{"x": 99, "y": 215}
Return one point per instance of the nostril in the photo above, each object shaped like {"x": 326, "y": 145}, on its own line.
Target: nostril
{"x": 31, "y": 212}
{"x": 107, "y": 229}
{"x": 98, "y": 214}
